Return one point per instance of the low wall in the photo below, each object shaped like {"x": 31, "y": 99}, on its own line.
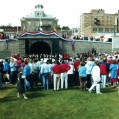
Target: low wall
{"x": 13, "y": 46}
{"x": 85, "y": 46}
{"x": 80, "y": 46}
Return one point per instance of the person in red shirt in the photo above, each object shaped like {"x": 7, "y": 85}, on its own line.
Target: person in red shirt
{"x": 64, "y": 76}
{"x": 76, "y": 74}
{"x": 18, "y": 63}
{"x": 57, "y": 72}
{"x": 104, "y": 71}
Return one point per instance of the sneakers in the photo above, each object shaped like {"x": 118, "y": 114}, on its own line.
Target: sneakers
{"x": 25, "y": 98}
{"x": 99, "y": 93}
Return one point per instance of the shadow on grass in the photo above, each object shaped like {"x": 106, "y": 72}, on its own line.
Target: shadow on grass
{"x": 8, "y": 87}
{"x": 35, "y": 95}
{"x": 109, "y": 90}
{"x": 8, "y": 99}
{"x": 74, "y": 88}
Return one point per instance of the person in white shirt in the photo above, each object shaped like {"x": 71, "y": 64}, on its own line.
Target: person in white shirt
{"x": 96, "y": 78}
{"x": 71, "y": 74}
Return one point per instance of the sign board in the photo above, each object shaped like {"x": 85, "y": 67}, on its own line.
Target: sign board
{"x": 115, "y": 42}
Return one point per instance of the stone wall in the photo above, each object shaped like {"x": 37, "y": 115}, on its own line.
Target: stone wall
{"x": 80, "y": 47}
{"x": 85, "y": 46}
{"x": 13, "y": 46}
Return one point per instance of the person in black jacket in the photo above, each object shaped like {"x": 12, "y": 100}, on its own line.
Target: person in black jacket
{"x": 21, "y": 84}
{"x": 1, "y": 73}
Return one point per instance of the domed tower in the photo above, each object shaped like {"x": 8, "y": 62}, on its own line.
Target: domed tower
{"x": 39, "y": 10}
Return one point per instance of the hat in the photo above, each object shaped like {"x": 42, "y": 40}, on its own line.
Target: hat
{"x": 77, "y": 58}
{"x": 45, "y": 60}
{"x": 113, "y": 58}
{"x": 96, "y": 59}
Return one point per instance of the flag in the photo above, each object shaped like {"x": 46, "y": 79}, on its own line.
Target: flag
{"x": 72, "y": 44}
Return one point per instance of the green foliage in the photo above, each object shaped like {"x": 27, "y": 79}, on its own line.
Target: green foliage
{"x": 58, "y": 28}
{"x": 6, "y": 26}
{"x": 65, "y": 28}
{"x": 65, "y": 104}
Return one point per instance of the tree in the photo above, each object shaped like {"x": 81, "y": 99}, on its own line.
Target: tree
{"x": 9, "y": 25}
{"x": 58, "y": 27}
{"x": 65, "y": 28}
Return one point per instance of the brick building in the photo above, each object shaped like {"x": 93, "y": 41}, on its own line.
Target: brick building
{"x": 97, "y": 21}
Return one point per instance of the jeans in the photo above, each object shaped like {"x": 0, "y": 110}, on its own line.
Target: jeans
{"x": 45, "y": 80}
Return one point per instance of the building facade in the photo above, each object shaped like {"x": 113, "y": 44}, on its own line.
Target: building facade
{"x": 97, "y": 21}
{"x": 11, "y": 31}
{"x": 38, "y": 21}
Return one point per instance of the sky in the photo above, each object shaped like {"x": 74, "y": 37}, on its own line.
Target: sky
{"x": 67, "y": 11}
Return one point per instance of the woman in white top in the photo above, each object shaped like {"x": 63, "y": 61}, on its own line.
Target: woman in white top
{"x": 96, "y": 78}
{"x": 71, "y": 74}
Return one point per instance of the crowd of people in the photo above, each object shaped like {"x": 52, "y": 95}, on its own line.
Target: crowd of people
{"x": 59, "y": 72}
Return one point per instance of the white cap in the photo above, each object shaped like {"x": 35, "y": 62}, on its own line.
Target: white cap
{"x": 77, "y": 58}
{"x": 96, "y": 59}
{"x": 45, "y": 60}
{"x": 113, "y": 58}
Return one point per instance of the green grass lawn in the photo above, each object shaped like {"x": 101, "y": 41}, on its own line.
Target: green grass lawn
{"x": 65, "y": 104}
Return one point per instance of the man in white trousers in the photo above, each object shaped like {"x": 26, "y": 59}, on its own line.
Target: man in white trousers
{"x": 96, "y": 78}
{"x": 57, "y": 72}
{"x": 64, "y": 76}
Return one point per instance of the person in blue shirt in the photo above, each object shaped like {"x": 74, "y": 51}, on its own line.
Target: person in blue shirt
{"x": 6, "y": 66}
{"x": 113, "y": 71}
{"x": 45, "y": 71}
{"x": 82, "y": 76}
{"x": 26, "y": 73}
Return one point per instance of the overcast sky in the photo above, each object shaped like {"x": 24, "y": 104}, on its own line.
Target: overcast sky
{"x": 67, "y": 11}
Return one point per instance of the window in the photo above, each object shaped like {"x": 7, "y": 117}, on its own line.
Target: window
{"x": 37, "y": 14}
{"x": 112, "y": 29}
{"x": 110, "y": 17}
{"x": 49, "y": 23}
{"x": 94, "y": 29}
{"x": 102, "y": 21}
{"x": 29, "y": 23}
{"x": 102, "y": 17}
{"x": 107, "y": 20}
{"x": 106, "y": 29}
{"x": 37, "y": 23}
{"x": 107, "y": 24}
{"x": 107, "y": 17}
{"x": 100, "y": 29}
